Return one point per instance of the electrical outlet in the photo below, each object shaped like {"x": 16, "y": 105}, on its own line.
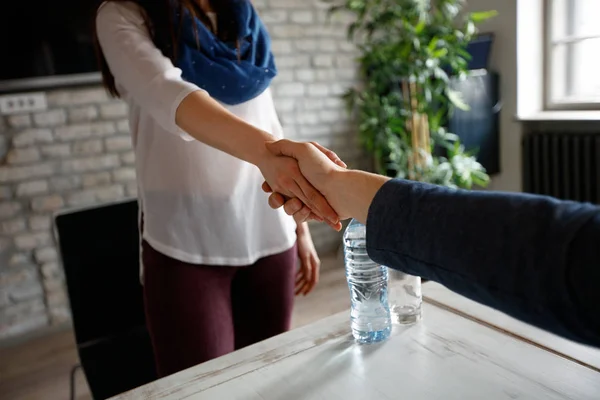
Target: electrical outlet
{"x": 22, "y": 103}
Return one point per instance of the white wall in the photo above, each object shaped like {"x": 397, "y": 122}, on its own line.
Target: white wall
{"x": 504, "y": 61}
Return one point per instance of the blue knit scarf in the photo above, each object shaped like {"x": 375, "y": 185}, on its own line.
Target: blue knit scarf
{"x": 217, "y": 67}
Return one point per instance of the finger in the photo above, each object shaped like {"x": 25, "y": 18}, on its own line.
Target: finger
{"x": 330, "y": 154}
{"x": 315, "y": 200}
{"x": 266, "y": 187}
{"x": 293, "y": 206}
{"x": 276, "y": 200}
{"x": 302, "y": 215}
{"x": 308, "y": 273}
{"x": 314, "y": 217}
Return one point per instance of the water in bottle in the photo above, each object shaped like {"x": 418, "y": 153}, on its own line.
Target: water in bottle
{"x": 367, "y": 281}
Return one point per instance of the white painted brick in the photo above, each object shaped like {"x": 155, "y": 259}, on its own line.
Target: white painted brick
{"x": 111, "y": 193}
{"x": 81, "y": 198}
{"x": 32, "y": 188}
{"x": 114, "y": 110}
{"x": 83, "y": 114}
{"x": 291, "y": 61}
{"x": 307, "y": 118}
{"x": 118, "y": 143}
{"x": 285, "y": 76}
{"x": 323, "y": 60}
{"x": 124, "y": 175}
{"x": 85, "y": 131}
{"x": 32, "y": 136}
{"x": 281, "y": 47}
{"x": 291, "y": 89}
{"x": 128, "y": 158}
{"x": 273, "y": 16}
{"x": 9, "y": 209}
{"x": 288, "y": 31}
{"x": 56, "y": 150}
{"x": 24, "y": 291}
{"x": 20, "y": 173}
{"x": 51, "y": 202}
{"x": 337, "y": 89}
{"x": 312, "y": 131}
{"x": 5, "y": 192}
{"x": 60, "y": 183}
{"x": 70, "y": 97}
{"x": 51, "y": 269}
{"x": 26, "y": 155}
{"x": 335, "y": 102}
{"x": 96, "y": 179}
{"x": 19, "y": 259}
{"x": 302, "y": 17}
{"x": 284, "y": 105}
{"x": 348, "y": 47}
{"x": 13, "y": 226}
{"x": 328, "y": 45}
{"x": 327, "y": 31}
{"x": 287, "y": 119}
{"x": 327, "y": 75}
{"x": 306, "y": 75}
{"x": 59, "y": 315}
{"x": 331, "y": 115}
{"x": 40, "y": 222}
{"x": 31, "y": 322}
{"x": 88, "y": 147}
{"x": 348, "y": 73}
{"x": 19, "y": 121}
{"x": 45, "y": 255}
{"x": 16, "y": 275}
{"x": 53, "y": 286}
{"x": 306, "y": 45}
{"x": 275, "y": 4}
{"x": 123, "y": 126}
{"x": 290, "y": 132}
{"x": 312, "y": 104}
{"x": 131, "y": 189}
{"x": 345, "y": 61}
{"x": 90, "y": 163}
{"x": 30, "y": 241}
{"x": 318, "y": 89}
{"x": 50, "y": 118}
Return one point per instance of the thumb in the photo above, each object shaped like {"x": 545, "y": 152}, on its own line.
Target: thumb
{"x": 281, "y": 148}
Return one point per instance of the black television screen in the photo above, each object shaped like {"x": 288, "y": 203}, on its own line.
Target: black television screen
{"x": 46, "y": 42}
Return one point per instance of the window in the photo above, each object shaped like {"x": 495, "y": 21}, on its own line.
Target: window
{"x": 572, "y": 55}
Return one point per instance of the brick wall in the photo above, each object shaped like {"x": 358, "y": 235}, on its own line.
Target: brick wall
{"x": 78, "y": 153}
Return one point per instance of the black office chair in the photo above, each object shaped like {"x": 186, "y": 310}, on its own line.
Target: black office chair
{"x": 100, "y": 253}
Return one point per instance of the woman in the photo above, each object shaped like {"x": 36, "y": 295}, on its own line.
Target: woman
{"x": 218, "y": 263}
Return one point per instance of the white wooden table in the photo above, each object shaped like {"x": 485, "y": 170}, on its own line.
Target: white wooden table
{"x": 445, "y": 356}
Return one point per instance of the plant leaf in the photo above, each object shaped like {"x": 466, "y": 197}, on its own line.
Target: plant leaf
{"x": 456, "y": 98}
{"x": 481, "y": 16}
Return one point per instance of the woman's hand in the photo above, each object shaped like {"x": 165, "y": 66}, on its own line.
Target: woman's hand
{"x": 294, "y": 206}
{"x": 308, "y": 274}
{"x": 282, "y": 175}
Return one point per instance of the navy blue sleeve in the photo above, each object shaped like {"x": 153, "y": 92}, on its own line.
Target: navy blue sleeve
{"x": 533, "y": 257}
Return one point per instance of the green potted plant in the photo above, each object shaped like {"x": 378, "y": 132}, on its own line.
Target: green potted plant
{"x": 410, "y": 51}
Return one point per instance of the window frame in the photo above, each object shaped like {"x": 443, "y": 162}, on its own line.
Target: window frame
{"x": 548, "y": 65}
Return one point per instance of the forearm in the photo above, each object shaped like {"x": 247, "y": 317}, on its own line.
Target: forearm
{"x": 508, "y": 251}
{"x": 351, "y": 192}
{"x": 207, "y": 121}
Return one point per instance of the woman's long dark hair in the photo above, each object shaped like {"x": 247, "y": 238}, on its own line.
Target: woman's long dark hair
{"x": 158, "y": 17}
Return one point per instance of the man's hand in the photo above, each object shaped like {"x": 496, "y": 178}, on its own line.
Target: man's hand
{"x": 317, "y": 164}
{"x": 349, "y": 192}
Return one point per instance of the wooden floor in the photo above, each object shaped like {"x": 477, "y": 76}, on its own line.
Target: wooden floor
{"x": 39, "y": 368}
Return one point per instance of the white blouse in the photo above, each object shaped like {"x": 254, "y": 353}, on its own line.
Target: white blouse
{"x": 200, "y": 205}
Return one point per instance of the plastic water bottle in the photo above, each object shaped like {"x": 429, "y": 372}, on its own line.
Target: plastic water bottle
{"x": 368, "y": 283}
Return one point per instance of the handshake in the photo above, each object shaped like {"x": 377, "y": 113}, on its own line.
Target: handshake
{"x": 317, "y": 185}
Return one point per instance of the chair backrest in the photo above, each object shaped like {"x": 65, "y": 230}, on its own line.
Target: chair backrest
{"x": 99, "y": 247}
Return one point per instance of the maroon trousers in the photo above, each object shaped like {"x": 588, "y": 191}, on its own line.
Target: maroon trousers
{"x": 196, "y": 312}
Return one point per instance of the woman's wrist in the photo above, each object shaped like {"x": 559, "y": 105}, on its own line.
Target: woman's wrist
{"x": 254, "y": 150}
